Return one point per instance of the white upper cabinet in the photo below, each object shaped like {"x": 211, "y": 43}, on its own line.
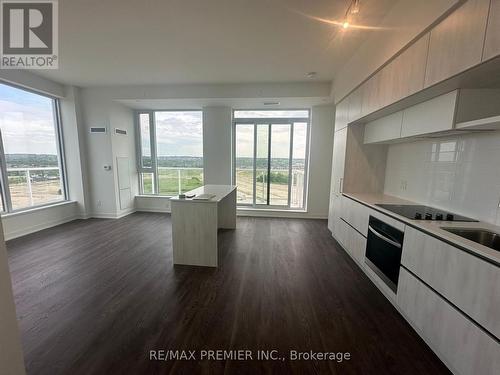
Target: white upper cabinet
{"x": 456, "y": 43}
{"x": 342, "y": 114}
{"x": 384, "y": 129}
{"x": 432, "y": 116}
{"x": 492, "y": 42}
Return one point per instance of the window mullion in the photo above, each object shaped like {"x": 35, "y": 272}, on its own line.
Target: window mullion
{"x": 254, "y": 182}
{"x": 61, "y": 156}
{"x": 154, "y": 156}
{"x": 290, "y": 159}
{"x": 4, "y": 179}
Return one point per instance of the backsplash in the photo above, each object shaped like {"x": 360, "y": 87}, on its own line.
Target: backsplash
{"x": 457, "y": 173}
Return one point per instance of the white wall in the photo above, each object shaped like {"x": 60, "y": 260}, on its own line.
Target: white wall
{"x": 74, "y": 149}
{"x": 22, "y": 223}
{"x": 457, "y": 173}
{"x": 123, "y": 146}
{"x": 103, "y": 149}
{"x": 320, "y": 160}
{"x": 11, "y": 356}
{"x": 405, "y": 21}
{"x": 217, "y": 145}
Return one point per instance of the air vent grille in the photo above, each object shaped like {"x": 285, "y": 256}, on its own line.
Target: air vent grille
{"x": 99, "y": 130}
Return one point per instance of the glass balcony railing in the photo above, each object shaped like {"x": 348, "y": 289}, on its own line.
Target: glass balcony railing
{"x": 278, "y": 189}
{"x": 173, "y": 180}
{"x": 34, "y": 186}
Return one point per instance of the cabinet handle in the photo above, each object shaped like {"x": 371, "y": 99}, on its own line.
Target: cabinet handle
{"x": 384, "y": 238}
{"x": 341, "y": 184}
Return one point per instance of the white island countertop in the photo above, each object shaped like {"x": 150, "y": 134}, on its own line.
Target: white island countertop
{"x": 220, "y": 191}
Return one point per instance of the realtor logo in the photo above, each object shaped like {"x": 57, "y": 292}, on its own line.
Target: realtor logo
{"x": 29, "y": 34}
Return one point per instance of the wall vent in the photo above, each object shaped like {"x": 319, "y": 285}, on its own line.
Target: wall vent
{"x": 100, "y": 130}
{"x": 120, "y": 131}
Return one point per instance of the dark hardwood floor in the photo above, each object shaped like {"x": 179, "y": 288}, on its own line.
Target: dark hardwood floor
{"x": 95, "y": 296}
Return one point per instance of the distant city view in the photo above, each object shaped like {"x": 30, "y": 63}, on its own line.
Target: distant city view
{"x": 33, "y": 179}
{"x": 179, "y": 174}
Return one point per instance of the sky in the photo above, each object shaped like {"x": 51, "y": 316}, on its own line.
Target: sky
{"x": 179, "y": 133}
{"x": 26, "y": 122}
{"x": 280, "y": 140}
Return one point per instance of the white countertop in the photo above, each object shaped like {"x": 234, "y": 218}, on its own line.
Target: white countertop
{"x": 220, "y": 191}
{"x": 433, "y": 227}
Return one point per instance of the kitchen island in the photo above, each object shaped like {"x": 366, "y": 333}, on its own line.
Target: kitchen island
{"x": 195, "y": 223}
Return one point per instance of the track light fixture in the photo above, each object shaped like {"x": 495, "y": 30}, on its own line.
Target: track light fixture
{"x": 352, "y": 10}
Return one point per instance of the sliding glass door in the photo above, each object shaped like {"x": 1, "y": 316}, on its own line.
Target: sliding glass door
{"x": 269, "y": 166}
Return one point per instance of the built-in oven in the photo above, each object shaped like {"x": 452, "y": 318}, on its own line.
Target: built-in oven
{"x": 384, "y": 247}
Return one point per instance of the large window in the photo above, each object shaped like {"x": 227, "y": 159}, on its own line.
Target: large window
{"x": 31, "y": 166}
{"x": 170, "y": 151}
{"x": 270, "y": 157}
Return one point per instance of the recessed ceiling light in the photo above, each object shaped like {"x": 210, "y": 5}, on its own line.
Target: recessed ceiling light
{"x": 311, "y": 74}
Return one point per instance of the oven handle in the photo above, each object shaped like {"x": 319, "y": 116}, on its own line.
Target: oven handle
{"x": 382, "y": 237}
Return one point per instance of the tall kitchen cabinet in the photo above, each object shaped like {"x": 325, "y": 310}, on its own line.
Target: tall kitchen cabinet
{"x": 356, "y": 167}
{"x": 338, "y": 163}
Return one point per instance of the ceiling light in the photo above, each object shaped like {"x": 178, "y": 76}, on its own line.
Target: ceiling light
{"x": 345, "y": 25}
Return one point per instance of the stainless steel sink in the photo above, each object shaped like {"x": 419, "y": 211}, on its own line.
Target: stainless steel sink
{"x": 481, "y": 236}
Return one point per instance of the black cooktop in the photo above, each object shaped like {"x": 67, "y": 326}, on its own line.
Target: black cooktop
{"x": 418, "y": 212}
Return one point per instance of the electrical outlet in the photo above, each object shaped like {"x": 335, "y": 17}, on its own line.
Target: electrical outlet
{"x": 99, "y": 203}
{"x": 403, "y": 185}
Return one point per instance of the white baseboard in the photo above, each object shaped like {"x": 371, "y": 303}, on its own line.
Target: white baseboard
{"x": 111, "y": 215}
{"x": 279, "y": 214}
{"x": 161, "y": 210}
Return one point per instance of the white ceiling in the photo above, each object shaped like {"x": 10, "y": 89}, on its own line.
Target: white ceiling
{"x": 118, "y": 42}
{"x": 239, "y": 103}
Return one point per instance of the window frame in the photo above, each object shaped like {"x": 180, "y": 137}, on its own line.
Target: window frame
{"x": 61, "y": 158}
{"x": 152, "y": 142}
{"x": 270, "y": 121}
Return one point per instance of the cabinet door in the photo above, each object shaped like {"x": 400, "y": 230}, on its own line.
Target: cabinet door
{"x": 384, "y": 129}
{"x": 338, "y": 163}
{"x": 341, "y": 231}
{"x": 405, "y": 75}
{"x": 371, "y": 100}
{"x": 432, "y": 116}
{"x": 356, "y": 245}
{"x": 456, "y": 43}
{"x": 461, "y": 344}
{"x": 342, "y": 114}
{"x": 470, "y": 283}
{"x": 355, "y": 100}
{"x": 355, "y": 214}
{"x": 492, "y": 42}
